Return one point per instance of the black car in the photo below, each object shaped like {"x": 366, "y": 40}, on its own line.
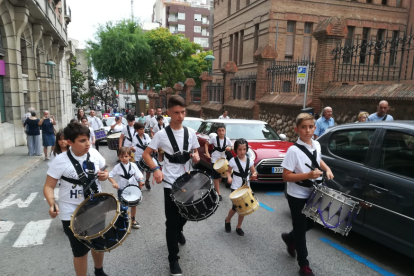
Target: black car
{"x": 374, "y": 161}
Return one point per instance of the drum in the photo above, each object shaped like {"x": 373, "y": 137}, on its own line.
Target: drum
{"x": 131, "y": 196}
{"x": 100, "y": 222}
{"x": 244, "y": 200}
{"x": 221, "y": 166}
{"x": 113, "y": 141}
{"x": 143, "y": 167}
{"x": 100, "y": 134}
{"x": 160, "y": 150}
{"x": 195, "y": 196}
{"x": 331, "y": 209}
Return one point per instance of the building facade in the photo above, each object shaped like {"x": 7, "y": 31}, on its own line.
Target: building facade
{"x": 33, "y": 33}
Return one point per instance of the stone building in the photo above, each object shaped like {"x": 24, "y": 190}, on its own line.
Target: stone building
{"x": 33, "y": 33}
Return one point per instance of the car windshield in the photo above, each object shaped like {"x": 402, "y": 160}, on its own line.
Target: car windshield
{"x": 193, "y": 124}
{"x": 251, "y": 132}
{"x": 110, "y": 121}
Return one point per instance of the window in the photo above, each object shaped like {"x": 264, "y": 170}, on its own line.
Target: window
{"x": 352, "y": 145}
{"x": 197, "y": 29}
{"x": 383, "y": 2}
{"x": 246, "y": 92}
{"x": 348, "y": 43}
{"x": 181, "y": 27}
{"x": 247, "y": 2}
{"x": 393, "y": 48}
{"x": 369, "y": 1}
{"x": 378, "y": 48}
{"x": 172, "y": 17}
{"x": 231, "y": 48}
{"x": 234, "y": 90}
{"x": 239, "y": 92}
{"x": 197, "y": 17}
{"x": 181, "y": 16}
{"x": 253, "y": 92}
{"x": 256, "y": 38}
{"x": 241, "y": 47}
{"x": 229, "y": 7}
{"x": 397, "y": 153}
{"x": 399, "y": 2}
{"x": 290, "y": 39}
{"x": 236, "y": 47}
{"x": 237, "y": 5}
{"x": 205, "y": 128}
{"x": 287, "y": 86}
{"x": 307, "y": 41}
{"x": 173, "y": 29}
{"x": 363, "y": 53}
{"x": 220, "y": 52}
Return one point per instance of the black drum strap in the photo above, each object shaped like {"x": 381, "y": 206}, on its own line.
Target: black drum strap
{"x": 173, "y": 142}
{"x": 218, "y": 148}
{"x": 242, "y": 173}
{"x": 85, "y": 180}
{"x": 129, "y": 133}
{"x": 313, "y": 158}
{"x": 159, "y": 126}
{"x": 126, "y": 175}
{"x": 141, "y": 145}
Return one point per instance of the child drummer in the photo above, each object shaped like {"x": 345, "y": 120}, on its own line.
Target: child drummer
{"x": 221, "y": 144}
{"x": 141, "y": 141}
{"x": 298, "y": 175}
{"x": 240, "y": 166}
{"x": 128, "y": 173}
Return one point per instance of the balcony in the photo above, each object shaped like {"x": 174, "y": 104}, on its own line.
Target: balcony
{"x": 68, "y": 14}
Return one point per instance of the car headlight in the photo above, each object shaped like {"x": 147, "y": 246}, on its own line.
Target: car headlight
{"x": 251, "y": 154}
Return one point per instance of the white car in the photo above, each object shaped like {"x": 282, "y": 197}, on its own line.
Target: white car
{"x": 191, "y": 122}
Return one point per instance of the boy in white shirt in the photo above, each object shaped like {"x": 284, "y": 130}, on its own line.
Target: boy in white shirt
{"x": 128, "y": 173}
{"x": 240, "y": 166}
{"x": 299, "y": 186}
{"x": 85, "y": 122}
{"x": 141, "y": 140}
{"x": 221, "y": 144}
{"x": 171, "y": 171}
{"x": 127, "y": 135}
{"x": 71, "y": 190}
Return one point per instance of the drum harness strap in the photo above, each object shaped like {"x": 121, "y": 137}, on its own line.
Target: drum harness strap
{"x": 242, "y": 173}
{"x": 163, "y": 126}
{"x": 312, "y": 157}
{"x": 218, "y": 148}
{"x": 140, "y": 144}
{"x": 129, "y": 133}
{"x": 177, "y": 157}
{"x": 126, "y": 175}
{"x": 87, "y": 181}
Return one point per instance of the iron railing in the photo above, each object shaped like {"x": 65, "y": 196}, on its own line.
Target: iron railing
{"x": 215, "y": 92}
{"x": 244, "y": 87}
{"x": 381, "y": 60}
{"x": 282, "y": 75}
{"x": 196, "y": 96}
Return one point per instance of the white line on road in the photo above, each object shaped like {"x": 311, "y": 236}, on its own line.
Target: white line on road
{"x": 5, "y": 227}
{"x": 22, "y": 204}
{"x": 34, "y": 233}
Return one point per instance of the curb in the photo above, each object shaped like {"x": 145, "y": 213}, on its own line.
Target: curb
{"x": 14, "y": 176}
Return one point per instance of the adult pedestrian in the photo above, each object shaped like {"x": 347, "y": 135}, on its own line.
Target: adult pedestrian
{"x": 24, "y": 118}
{"x": 224, "y": 116}
{"x": 148, "y": 119}
{"x": 362, "y": 117}
{"x": 324, "y": 122}
{"x": 154, "y": 121}
{"x": 142, "y": 118}
{"x": 95, "y": 123}
{"x": 80, "y": 114}
{"x": 117, "y": 126}
{"x": 33, "y": 134}
{"x": 381, "y": 114}
{"x": 48, "y": 134}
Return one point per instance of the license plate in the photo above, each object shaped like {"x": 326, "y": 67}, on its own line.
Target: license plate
{"x": 277, "y": 170}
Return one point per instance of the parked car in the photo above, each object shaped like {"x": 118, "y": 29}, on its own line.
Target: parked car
{"x": 192, "y": 122}
{"x": 374, "y": 161}
{"x": 108, "y": 121}
{"x": 266, "y": 147}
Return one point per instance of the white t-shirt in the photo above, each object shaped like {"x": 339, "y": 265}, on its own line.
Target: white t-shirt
{"x": 118, "y": 171}
{"x": 172, "y": 171}
{"x": 237, "y": 180}
{"x": 295, "y": 161}
{"x": 71, "y": 195}
{"x": 95, "y": 122}
{"x": 118, "y": 128}
{"x": 216, "y": 155}
{"x": 222, "y": 117}
{"x": 138, "y": 151}
{"x": 155, "y": 122}
{"x": 148, "y": 121}
{"x": 156, "y": 128}
{"x": 128, "y": 143}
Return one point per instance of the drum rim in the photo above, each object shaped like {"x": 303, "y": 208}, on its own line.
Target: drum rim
{"x": 125, "y": 201}
{"x": 238, "y": 189}
{"x": 338, "y": 193}
{"x": 219, "y": 160}
{"x": 106, "y": 229}
{"x": 205, "y": 217}
{"x": 189, "y": 172}
{"x": 197, "y": 201}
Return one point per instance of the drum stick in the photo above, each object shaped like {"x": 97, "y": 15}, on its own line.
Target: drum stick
{"x": 175, "y": 185}
{"x": 54, "y": 206}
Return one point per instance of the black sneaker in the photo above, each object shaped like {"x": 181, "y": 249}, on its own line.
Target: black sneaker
{"x": 175, "y": 269}
{"x": 147, "y": 185}
{"x": 239, "y": 232}
{"x": 227, "y": 226}
{"x": 220, "y": 198}
{"x": 181, "y": 238}
{"x": 290, "y": 246}
{"x": 100, "y": 272}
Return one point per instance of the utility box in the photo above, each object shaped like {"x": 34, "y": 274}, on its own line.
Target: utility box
{"x": 307, "y": 110}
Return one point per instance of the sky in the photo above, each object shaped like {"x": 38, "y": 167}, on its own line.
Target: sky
{"x": 88, "y": 14}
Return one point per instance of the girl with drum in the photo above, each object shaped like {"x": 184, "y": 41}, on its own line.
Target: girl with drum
{"x": 128, "y": 173}
{"x": 240, "y": 166}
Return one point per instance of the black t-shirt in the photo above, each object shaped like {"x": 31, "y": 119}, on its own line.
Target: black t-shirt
{"x": 33, "y": 126}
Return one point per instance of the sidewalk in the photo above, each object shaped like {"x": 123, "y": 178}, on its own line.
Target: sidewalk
{"x": 14, "y": 164}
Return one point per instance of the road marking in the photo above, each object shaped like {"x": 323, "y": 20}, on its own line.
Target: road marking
{"x": 22, "y": 204}
{"x": 34, "y": 233}
{"x": 274, "y": 193}
{"x": 358, "y": 258}
{"x": 5, "y": 227}
{"x": 266, "y": 207}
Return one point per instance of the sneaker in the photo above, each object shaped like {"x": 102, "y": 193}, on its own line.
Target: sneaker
{"x": 181, "y": 238}
{"x": 147, "y": 185}
{"x": 290, "y": 245}
{"x": 175, "y": 269}
{"x": 239, "y": 232}
{"x": 220, "y": 198}
{"x": 227, "y": 226}
{"x": 135, "y": 225}
{"x": 100, "y": 272}
{"x": 305, "y": 271}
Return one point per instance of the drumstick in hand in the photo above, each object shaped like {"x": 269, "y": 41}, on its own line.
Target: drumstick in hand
{"x": 175, "y": 185}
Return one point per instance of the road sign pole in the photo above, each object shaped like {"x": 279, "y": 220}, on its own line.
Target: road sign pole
{"x": 306, "y": 85}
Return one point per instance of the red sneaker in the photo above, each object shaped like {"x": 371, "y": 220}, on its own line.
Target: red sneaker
{"x": 305, "y": 271}
{"x": 290, "y": 245}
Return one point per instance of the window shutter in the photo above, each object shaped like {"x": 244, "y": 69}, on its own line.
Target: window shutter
{"x": 306, "y": 47}
{"x": 290, "y": 39}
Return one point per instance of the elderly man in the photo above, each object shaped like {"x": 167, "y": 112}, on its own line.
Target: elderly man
{"x": 224, "y": 116}
{"x": 148, "y": 119}
{"x": 142, "y": 118}
{"x": 95, "y": 123}
{"x": 154, "y": 121}
{"x": 381, "y": 114}
{"x": 24, "y": 118}
{"x": 324, "y": 122}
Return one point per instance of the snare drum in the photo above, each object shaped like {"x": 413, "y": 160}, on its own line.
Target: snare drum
{"x": 195, "y": 196}
{"x": 221, "y": 166}
{"x": 244, "y": 200}
{"x": 331, "y": 209}
{"x": 143, "y": 167}
{"x": 113, "y": 141}
{"x": 101, "y": 223}
{"x": 100, "y": 134}
{"x": 131, "y": 196}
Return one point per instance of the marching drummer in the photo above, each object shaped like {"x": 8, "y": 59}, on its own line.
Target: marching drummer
{"x": 128, "y": 133}
{"x": 128, "y": 173}
{"x": 240, "y": 166}
{"x": 142, "y": 141}
{"x": 221, "y": 144}
{"x": 71, "y": 190}
{"x": 298, "y": 177}
{"x": 95, "y": 123}
{"x": 159, "y": 126}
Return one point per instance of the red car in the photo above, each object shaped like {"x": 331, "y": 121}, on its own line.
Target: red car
{"x": 266, "y": 147}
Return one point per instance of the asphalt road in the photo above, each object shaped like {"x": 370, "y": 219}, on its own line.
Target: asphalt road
{"x": 33, "y": 244}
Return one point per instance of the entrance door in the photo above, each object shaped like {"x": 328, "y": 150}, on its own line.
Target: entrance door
{"x": 2, "y": 109}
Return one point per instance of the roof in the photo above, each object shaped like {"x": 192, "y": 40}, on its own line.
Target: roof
{"x": 379, "y": 124}
{"x": 235, "y": 121}
{"x": 192, "y": 119}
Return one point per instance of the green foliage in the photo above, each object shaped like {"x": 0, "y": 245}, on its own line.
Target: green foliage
{"x": 197, "y": 65}
{"x": 77, "y": 78}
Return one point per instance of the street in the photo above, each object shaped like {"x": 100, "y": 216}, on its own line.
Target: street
{"x": 33, "y": 244}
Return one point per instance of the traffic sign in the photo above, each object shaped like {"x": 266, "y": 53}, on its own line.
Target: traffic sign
{"x": 301, "y": 77}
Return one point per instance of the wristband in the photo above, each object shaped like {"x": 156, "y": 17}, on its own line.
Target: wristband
{"x": 155, "y": 168}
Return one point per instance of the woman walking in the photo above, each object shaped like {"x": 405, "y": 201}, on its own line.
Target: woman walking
{"x": 33, "y": 134}
{"x": 48, "y": 134}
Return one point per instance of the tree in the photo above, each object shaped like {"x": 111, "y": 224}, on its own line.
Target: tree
{"x": 121, "y": 52}
{"x": 77, "y": 78}
{"x": 197, "y": 65}
{"x": 102, "y": 90}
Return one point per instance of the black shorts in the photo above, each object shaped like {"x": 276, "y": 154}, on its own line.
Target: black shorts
{"x": 214, "y": 173}
{"x": 78, "y": 248}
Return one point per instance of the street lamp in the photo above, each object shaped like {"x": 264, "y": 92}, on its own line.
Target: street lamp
{"x": 212, "y": 59}
{"x": 50, "y": 64}
{"x": 158, "y": 88}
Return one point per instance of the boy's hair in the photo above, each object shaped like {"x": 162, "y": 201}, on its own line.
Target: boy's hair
{"x": 130, "y": 118}
{"x": 72, "y": 131}
{"x": 73, "y": 121}
{"x": 239, "y": 142}
{"x": 220, "y": 126}
{"x": 57, "y": 149}
{"x": 176, "y": 100}
{"x": 224, "y": 111}
{"x": 138, "y": 126}
{"x": 125, "y": 150}
{"x": 159, "y": 118}
{"x": 304, "y": 117}
{"x": 84, "y": 118}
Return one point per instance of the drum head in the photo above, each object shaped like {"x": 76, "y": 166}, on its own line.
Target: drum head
{"x": 196, "y": 184}
{"x": 219, "y": 163}
{"x": 114, "y": 136}
{"x": 239, "y": 192}
{"x": 131, "y": 193}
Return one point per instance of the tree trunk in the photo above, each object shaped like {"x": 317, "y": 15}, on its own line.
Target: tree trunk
{"x": 137, "y": 108}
